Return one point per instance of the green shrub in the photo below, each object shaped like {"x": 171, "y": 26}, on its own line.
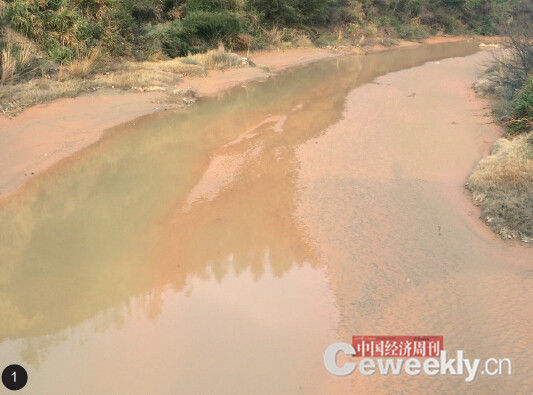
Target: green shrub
{"x": 67, "y": 29}
{"x": 203, "y": 30}
{"x": 197, "y": 32}
{"x": 172, "y": 39}
{"x": 276, "y": 12}
{"x": 522, "y": 109}
{"x": 325, "y": 39}
{"x": 294, "y": 12}
{"x": 484, "y": 16}
{"x": 412, "y": 31}
{"x": 212, "y": 5}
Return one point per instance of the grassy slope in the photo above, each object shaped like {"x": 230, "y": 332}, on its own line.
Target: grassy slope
{"x": 65, "y": 30}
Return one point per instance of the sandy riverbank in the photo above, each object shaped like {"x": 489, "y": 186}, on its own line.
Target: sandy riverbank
{"x": 382, "y": 196}
{"x": 44, "y": 134}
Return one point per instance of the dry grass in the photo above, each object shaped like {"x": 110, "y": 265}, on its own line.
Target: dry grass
{"x": 502, "y": 185}
{"x": 91, "y": 73}
{"x": 15, "y": 62}
{"x": 140, "y": 79}
{"x": 285, "y": 38}
{"x": 16, "y": 97}
{"x": 217, "y": 59}
{"x": 176, "y": 66}
{"x": 13, "y": 37}
{"x": 82, "y": 67}
{"x": 25, "y": 56}
{"x": 8, "y": 65}
{"x": 82, "y": 77}
{"x": 18, "y": 57}
{"x": 274, "y": 37}
{"x": 149, "y": 76}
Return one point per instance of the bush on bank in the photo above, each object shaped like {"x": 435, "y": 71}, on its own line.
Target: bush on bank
{"x": 521, "y": 117}
{"x": 65, "y": 30}
{"x": 502, "y": 183}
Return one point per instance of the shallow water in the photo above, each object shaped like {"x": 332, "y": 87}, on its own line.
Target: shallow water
{"x": 208, "y": 251}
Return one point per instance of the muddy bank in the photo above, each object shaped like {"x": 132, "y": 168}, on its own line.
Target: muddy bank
{"x": 44, "y": 134}
{"x": 382, "y": 196}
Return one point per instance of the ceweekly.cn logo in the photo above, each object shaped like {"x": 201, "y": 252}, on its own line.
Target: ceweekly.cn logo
{"x": 411, "y": 355}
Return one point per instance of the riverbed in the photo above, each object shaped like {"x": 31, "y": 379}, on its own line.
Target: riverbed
{"x": 223, "y": 248}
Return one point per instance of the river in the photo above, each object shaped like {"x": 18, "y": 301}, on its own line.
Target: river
{"x": 222, "y": 248}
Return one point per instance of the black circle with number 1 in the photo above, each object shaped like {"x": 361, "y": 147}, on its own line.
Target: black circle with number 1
{"x": 14, "y": 377}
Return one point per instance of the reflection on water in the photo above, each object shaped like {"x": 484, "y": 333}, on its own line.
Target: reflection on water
{"x": 197, "y": 203}
{"x": 208, "y": 339}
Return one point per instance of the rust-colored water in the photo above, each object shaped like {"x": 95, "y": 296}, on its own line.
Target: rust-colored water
{"x": 220, "y": 250}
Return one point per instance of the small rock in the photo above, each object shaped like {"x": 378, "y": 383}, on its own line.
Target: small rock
{"x": 249, "y": 62}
